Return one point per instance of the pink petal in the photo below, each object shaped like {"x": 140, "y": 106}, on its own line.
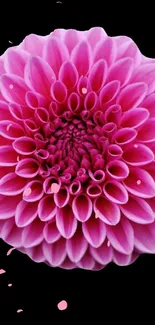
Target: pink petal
{"x": 11, "y": 233}
{"x": 138, "y": 155}
{"x": 94, "y": 231}
{"x": 13, "y": 88}
{"x": 15, "y": 61}
{"x": 67, "y": 264}
{"x": 114, "y": 152}
{"x": 24, "y": 145}
{"x": 68, "y": 75}
{"x": 55, "y": 253}
{"x": 109, "y": 92}
{"x": 76, "y": 246}
{"x": 82, "y": 58}
{"x": 127, "y": 48}
{"x": 102, "y": 254}
{"x": 8, "y": 157}
{"x": 117, "y": 170}
{"x": 124, "y": 136}
{"x": 91, "y": 101}
{"x": 149, "y": 103}
{"x": 121, "y": 236}
{"x": 145, "y": 237}
{"x": 11, "y": 184}
{"x": 121, "y": 259}
{"x": 25, "y": 213}
{"x": 8, "y": 206}
{"x": 34, "y": 100}
{"x": 140, "y": 183}
{"x": 98, "y": 75}
{"x": 62, "y": 197}
{"x": 20, "y": 112}
{"x": 87, "y": 262}
{"x": 33, "y": 233}
{"x": 27, "y": 168}
{"x": 55, "y": 53}
{"x": 47, "y": 208}
{"x": 121, "y": 70}
{"x": 39, "y": 76}
{"x": 36, "y": 253}
{"x": 105, "y": 49}
{"x": 113, "y": 114}
{"x": 33, "y": 191}
{"x": 145, "y": 73}
{"x": 71, "y": 38}
{"x": 95, "y": 34}
{"x": 115, "y": 192}
{"x": 82, "y": 207}
{"x": 51, "y": 232}
{"x": 59, "y": 92}
{"x": 10, "y": 129}
{"x": 4, "y": 111}
{"x": 66, "y": 222}
{"x": 33, "y": 44}
{"x": 135, "y": 117}
{"x": 107, "y": 211}
{"x": 147, "y": 133}
{"x": 132, "y": 95}
{"x": 138, "y": 210}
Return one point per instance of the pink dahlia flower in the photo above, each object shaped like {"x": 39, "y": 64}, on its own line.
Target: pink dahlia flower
{"x": 77, "y": 146}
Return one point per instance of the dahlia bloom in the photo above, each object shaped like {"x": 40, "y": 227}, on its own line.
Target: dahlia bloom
{"x": 77, "y": 146}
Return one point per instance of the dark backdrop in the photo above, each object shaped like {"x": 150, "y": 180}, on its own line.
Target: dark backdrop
{"x": 115, "y": 294}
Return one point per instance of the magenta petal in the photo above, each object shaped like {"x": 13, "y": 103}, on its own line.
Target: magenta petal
{"x": 26, "y": 212}
{"x": 67, "y": 264}
{"x": 132, "y": 95}
{"x": 117, "y": 169}
{"x": 106, "y": 50}
{"x": 147, "y": 133}
{"x": 24, "y": 145}
{"x": 8, "y": 157}
{"x": 140, "y": 183}
{"x": 55, "y": 53}
{"x": 138, "y": 155}
{"x": 121, "y": 70}
{"x": 138, "y": 210}
{"x": 62, "y": 197}
{"x": 134, "y": 118}
{"x": 145, "y": 73}
{"x": 4, "y": 111}
{"x": 107, "y": 211}
{"x": 66, "y": 222}
{"x": 87, "y": 262}
{"x": 98, "y": 75}
{"x": 11, "y": 233}
{"x": 33, "y": 191}
{"x": 145, "y": 237}
{"x": 121, "y": 236}
{"x": 15, "y": 61}
{"x": 8, "y": 206}
{"x": 59, "y": 92}
{"x": 11, "y": 184}
{"x": 121, "y": 259}
{"x": 36, "y": 253}
{"x": 39, "y": 75}
{"x": 68, "y": 75}
{"x": 115, "y": 192}
{"x": 94, "y": 231}
{"x": 47, "y": 208}
{"x": 127, "y": 48}
{"x": 33, "y": 233}
{"x": 51, "y": 232}
{"x": 55, "y": 253}
{"x": 149, "y": 104}
{"x": 13, "y": 88}
{"x": 82, "y": 58}
{"x": 109, "y": 92}
{"x": 102, "y": 254}
{"x": 71, "y": 38}
{"x": 82, "y": 207}
{"x": 76, "y": 246}
{"x": 27, "y": 168}
{"x": 10, "y": 129}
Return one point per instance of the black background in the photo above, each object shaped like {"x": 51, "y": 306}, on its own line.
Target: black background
{"x": 115, "y": 294}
